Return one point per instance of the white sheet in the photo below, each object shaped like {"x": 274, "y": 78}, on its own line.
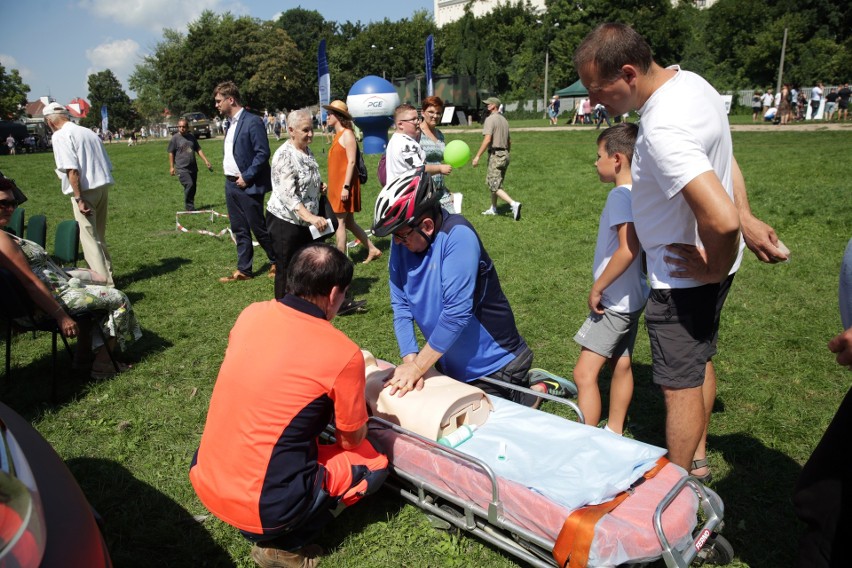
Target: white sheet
{"x": 570, "y": 463}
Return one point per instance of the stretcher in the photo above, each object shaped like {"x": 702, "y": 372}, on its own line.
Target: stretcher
{"x": 547, "y": 490}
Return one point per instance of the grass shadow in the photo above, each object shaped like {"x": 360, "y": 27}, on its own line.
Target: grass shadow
{"x": 163, "y": 266}
{"x": 757, "y": 492}
{"x": 141, "y": 524}
{"x": 28, "y": 389}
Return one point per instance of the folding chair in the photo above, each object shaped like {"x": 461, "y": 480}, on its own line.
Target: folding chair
{"x": 37, "y": 230}
{"x": 17, "y": 311}
{"x": 16, "y": 222}
{"x": 67, "y": 245}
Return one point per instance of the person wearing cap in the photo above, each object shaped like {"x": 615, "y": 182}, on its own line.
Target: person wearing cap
{"x": 85, "y": 170}
{"x": 182, "y": 149}
{"x": 497, "y": 142}
{"x": 247, "y": 179}
{"x": 344, "y": 185}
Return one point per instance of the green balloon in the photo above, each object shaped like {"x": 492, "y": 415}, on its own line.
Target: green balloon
{"x": 457, "y": 153}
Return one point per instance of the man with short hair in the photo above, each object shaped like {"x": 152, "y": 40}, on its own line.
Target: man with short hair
{"x": 10, "y": 143}
{"x": 85, "y": 170}
{"x": 404, "y": 152}
{"x": 497, "y": 142}
{"x": 182, "y": 149}
{"x": 287, "y": 373}
{"x": 843, "y": 96}
{"x": 247, "y": 179}
{"x": 689, "y": 177}
{"x": 816, "y": 100}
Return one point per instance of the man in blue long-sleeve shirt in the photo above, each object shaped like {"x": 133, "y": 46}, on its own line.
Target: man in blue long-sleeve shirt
{"x": 442, "y": 279}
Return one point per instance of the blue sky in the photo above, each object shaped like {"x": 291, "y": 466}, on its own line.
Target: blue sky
{"x": 56, "y": 44}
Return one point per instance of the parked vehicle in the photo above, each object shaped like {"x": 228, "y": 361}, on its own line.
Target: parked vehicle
{"x": 199, "y": 124}
{"x": 45, "y": 520}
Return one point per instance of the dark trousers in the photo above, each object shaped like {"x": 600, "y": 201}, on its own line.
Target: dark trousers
{"x": 286, "y": 239}
{"x": 246, "y": 215}
{"x": 189, "y": 181}
{"x": 515, "y": 372}
{"x": 823, "y": 496}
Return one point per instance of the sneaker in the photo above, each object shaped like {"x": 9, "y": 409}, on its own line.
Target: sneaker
{"x": 555, "y": 385}
{"x": 516, "y": 210}
{"x": 351, "y": 307}
{"x": 236, "y": 276}
{"x": 271, "y": 557}
{"x": 490, "y": 211}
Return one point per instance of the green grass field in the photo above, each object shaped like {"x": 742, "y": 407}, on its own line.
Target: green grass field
{"x": 129, "y": 439}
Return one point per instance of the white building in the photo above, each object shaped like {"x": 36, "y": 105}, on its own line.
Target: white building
{"x": 447, "y": 11}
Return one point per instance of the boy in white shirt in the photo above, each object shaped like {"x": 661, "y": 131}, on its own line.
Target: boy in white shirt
{"x": 620, "y": 290}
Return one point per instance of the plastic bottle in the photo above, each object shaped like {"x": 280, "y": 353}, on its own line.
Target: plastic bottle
{"x": 460, "y": 436}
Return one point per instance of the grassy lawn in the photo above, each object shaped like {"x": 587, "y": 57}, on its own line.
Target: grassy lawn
{"x": 129, "y": 440}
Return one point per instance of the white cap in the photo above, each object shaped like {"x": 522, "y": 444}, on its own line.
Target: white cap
{"x": 54, "y": 108}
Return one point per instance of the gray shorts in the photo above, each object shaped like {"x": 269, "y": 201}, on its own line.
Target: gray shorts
{"x": 683, "y": 326}
{"x": 611, "y": 334}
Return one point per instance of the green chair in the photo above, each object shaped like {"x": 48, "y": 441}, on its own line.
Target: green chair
{"x": 67, "y": 245}
{"x": 37, "y": 230}
{"x": 16, "y": 222}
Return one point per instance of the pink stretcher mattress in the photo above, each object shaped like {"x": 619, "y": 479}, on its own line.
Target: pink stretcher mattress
{"x": 624, "y": 535}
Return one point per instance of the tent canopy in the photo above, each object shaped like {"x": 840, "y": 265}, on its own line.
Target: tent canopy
{"x": 575, "y": 90}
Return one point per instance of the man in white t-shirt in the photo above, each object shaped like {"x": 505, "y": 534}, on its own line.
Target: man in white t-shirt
{"x": 86, "y": 173}
{"x": 816, "y": 100}
{"x": 684, "y": 172}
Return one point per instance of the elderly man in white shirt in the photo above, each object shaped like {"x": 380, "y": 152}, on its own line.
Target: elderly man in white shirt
{"x": 85, "y": 170}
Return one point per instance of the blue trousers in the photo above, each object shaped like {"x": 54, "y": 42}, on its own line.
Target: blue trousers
{"x": 246, "y": 215}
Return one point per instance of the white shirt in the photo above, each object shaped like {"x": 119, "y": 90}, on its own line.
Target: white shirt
{"x": 403, "y": 155}
{"x": 628, "y": 292}
{"x": 229, "y": 164}
{"x": 78, "y": 148}
{"x": 816, "y": 94}
{"x": 683, "y": 133}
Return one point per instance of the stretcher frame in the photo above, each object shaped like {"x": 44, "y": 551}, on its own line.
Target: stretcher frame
{"x": 491, "y": 526}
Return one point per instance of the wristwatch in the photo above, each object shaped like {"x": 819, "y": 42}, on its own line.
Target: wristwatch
{"x": 346, "y": 186}
{"x": 78, "y": 199}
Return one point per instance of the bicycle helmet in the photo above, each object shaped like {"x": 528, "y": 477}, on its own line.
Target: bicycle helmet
{"x": 403, "y": 201}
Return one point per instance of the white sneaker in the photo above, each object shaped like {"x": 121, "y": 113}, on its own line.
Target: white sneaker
{"x": 516, "y": 210}
{"x": 490, "y": 211}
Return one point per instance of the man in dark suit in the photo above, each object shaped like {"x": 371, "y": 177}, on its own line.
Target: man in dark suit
{"x": 247, "y": 178}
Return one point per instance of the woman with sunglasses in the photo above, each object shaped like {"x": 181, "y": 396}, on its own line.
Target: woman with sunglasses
{"x": 59, "y": 295}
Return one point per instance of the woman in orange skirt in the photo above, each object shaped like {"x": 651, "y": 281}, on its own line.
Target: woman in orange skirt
{"x": 344, "y": 188}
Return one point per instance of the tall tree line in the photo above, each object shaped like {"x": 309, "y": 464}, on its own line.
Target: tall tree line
{"x": 734, "y": 44}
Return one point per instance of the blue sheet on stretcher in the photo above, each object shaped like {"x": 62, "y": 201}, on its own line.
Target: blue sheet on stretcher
{"x": 569, "y": 463}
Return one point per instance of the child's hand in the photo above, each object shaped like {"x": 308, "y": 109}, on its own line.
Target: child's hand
{"x": 595, "y": 302}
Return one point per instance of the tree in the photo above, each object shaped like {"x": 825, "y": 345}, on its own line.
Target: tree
{"x": 105, "y": 89}
{"x": 186, "y": 68}
{"x": 306, "y": 28}
{"x": 13, "y": 94}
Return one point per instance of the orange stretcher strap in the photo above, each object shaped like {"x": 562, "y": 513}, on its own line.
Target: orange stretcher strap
{"x": 575, "y": 538}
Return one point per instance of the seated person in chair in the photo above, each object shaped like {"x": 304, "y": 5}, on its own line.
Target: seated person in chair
{"x": 61, "y": 296}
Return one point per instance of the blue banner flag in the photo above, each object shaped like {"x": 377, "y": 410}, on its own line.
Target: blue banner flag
{"x": 324, "y": 80}
{"x": 430, "y": 48}
{"x": 104, "y": 119}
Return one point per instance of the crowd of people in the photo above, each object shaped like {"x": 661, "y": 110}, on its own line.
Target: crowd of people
{"x": 288, "y": 372}
{"x": 792, "y": 104}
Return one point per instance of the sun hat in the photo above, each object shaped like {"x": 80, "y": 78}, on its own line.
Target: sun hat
{"x": 338, "y": 107}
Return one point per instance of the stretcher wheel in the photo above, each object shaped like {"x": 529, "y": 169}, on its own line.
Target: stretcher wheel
{"x": 716, "y": 551}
